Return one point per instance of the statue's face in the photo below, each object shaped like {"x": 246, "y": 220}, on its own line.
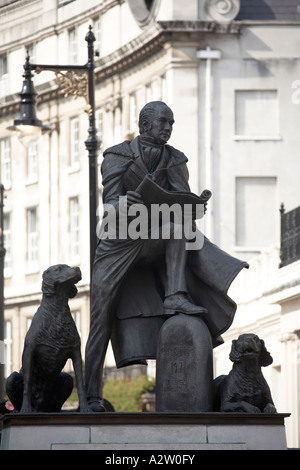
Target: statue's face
{"x": 160, "y": 129}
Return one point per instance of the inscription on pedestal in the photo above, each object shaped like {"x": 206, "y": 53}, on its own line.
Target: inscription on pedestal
{"x": 184, "y": 366}
{"x": 178, "y": 360}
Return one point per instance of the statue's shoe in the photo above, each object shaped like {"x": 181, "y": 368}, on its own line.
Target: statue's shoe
{"x": 180, "y": 304}
{"x": 96, "y": 406}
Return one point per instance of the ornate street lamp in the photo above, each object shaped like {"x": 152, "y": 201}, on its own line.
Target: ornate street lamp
{"x": 29, "y": 126}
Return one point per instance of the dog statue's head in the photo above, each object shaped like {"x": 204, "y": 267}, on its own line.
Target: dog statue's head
{"x": 60, "y": 276}
{"x": 250, "y": 346}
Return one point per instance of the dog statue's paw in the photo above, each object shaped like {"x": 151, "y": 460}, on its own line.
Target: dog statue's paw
{"x": 84, "y": 408}
{"x": 26, "y": 409}
{"x": 269, "y": 408}
{"x": 239, "y": 407}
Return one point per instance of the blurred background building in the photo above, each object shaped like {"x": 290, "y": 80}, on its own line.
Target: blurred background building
{"x": 230, "y": 71}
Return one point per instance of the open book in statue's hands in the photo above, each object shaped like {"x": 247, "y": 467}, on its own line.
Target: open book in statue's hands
{"x": 152, "y": 193}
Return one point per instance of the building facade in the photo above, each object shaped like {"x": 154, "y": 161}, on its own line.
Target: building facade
{"x": 230, "y": 71}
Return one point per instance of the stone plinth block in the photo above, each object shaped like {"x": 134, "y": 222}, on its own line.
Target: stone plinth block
{"x": 184, "y": 367}
{"x": 144, "y": 431}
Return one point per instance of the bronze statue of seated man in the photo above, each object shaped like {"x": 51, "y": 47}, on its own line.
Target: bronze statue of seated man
{"x": 184, "y": 281}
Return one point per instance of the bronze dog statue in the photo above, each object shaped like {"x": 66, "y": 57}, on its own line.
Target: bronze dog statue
{"x": 51, "y": 340}
{"x": 245, "y": 389}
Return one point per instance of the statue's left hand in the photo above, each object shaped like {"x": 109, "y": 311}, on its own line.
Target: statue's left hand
{"x": 134, "y": 198}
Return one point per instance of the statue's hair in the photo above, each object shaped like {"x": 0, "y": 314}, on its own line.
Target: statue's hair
{"x": 147, "y": 114}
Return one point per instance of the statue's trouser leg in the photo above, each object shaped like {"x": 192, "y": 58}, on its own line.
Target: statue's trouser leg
{"x": 176, "y": 255}
{"x": 108, "y": 273}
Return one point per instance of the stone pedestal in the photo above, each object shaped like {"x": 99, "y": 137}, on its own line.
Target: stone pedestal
{"x": 168, "y": 432}
{"x": 184, "y": 366}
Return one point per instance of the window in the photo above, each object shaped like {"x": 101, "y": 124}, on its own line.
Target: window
{"x": 97, "y": 34}
{"x": 28, "y": 323}
{"x": 7, "y": 349}
{"x": 30, "y": 50}
{"x": 32, "y": 162}
{"x": 99, "y": 126}
{"x": 132, "y": 113}
{"x": 163, "y": 85}
{"x": 256, "y": 212}
{"x": 7, "y": 244}
{"x": 148, "y": 92}
{"x": 5, "y": 163}
{"x": 73, "y": 46}
{"x": 74, "y": 228}
{"x": 76, "y": 318}
{"x": 256, "y": 114}
{"x": 32, "y": 238}
{"x": 3, "y": 76}
{"x": 142, "y": 10}
{"x": 74, "y": 142}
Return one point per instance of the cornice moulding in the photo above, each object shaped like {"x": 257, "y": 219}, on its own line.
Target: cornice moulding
{"x": 139, "y": 49}
{"x": 152, "y": 41}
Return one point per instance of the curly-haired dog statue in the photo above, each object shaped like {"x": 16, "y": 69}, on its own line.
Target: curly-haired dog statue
{"x": 245, "y": 389}
{"x": 51, "y": 340}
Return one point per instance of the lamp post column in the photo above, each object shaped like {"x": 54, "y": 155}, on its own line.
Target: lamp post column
{"x": 92, "y": 146}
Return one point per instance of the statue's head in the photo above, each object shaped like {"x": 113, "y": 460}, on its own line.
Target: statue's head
{"x": 156, "y": 121}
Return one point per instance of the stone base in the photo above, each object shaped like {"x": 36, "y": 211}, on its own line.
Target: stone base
{"x": 184, "y": 366}
{"x": 144, "y": 431}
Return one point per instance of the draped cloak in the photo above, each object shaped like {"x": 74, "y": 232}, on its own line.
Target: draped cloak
{"x": 139, "y": 294}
